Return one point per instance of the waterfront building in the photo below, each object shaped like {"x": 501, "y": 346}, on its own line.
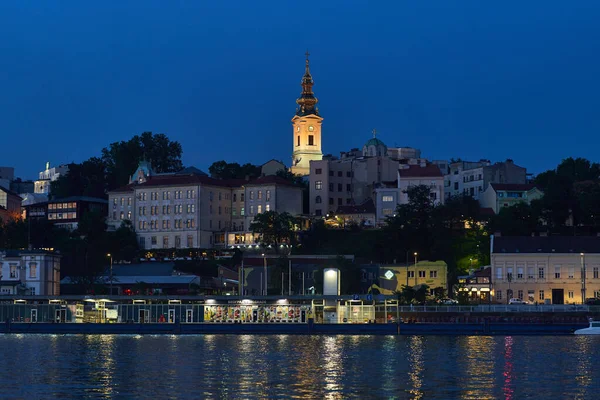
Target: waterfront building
{"x": 47, "y": 176}
{"x": 306, "y": 134}
{"x": 472, "y": 178}
{"x": 546, "y": 269}
{"x": 189, "y": 209}
{"x": 392, "y": 277}
{"x": 159, "y": 278}
{"x": 29, "y": 272}
{"x": 478, "y": 285}
{"x": 499, "y": 195}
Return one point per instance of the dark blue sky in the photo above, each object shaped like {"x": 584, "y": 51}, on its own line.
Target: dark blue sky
{"x": 455, "y": 79}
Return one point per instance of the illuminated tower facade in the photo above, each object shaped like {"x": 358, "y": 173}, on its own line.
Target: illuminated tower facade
{"x": 306, "y": 127}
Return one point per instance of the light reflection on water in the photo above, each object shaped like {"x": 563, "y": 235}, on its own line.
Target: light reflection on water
{"x": 289, "y": 366}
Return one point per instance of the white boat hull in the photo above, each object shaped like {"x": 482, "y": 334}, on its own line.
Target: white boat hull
{"x": 588, "y": 331}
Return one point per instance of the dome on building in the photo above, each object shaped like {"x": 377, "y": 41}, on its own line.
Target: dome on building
{"x": 374, "y": 147}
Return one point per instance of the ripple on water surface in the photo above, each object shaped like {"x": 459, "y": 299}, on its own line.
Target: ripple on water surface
{"x": 288, "y": 366}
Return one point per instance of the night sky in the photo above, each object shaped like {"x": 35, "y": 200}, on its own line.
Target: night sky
{"x": 455, "y": 79}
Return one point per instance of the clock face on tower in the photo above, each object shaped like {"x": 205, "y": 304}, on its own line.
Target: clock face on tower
{"x": 311, "y": 128}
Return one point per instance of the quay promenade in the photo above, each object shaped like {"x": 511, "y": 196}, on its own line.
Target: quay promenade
{"x": 277, "y": 314}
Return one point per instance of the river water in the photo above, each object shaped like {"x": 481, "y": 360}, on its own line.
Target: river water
{"x": 286, "y": 366}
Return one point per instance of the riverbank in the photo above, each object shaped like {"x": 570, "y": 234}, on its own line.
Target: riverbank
{"x": 483, "y": 328}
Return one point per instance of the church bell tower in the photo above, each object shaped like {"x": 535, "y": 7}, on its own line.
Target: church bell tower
{"x": 306, "y": 127}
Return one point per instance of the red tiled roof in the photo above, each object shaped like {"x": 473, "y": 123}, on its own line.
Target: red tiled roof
{"x": 126, "y": 188}
{"x": 512, "y": 186}
{"x": 271, "y": 179}
{"x": 416, "y": 171}
{"x": 365, "y": 208}
{"x": 182, "y": 180}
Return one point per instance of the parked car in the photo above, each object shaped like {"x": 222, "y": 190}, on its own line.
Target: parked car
{"x": 517, "y": 301}
{"x": 448, "y": 302}
{"x": 594, "y": 301}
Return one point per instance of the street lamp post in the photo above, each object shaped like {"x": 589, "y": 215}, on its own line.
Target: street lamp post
{"x": 111, "y": 272}
{"x": 265, "y": 272}
{"x": 583, "y": 278}
{"x": 416, "y": 255}
{"x": 407, "y": 267}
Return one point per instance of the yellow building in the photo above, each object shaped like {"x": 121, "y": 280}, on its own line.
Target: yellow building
{"x": 431, "y": 273}
{"x": 307, "y": 127}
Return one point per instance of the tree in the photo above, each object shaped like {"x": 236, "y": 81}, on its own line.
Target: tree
{"x": 274, "y": 228}
{"x": 122, "y": 158}
{"x": 224, "y": 170}
{"x": 295, "y": 179}
{"x": 123, "y": 243}
{"x": 520, "y": 219}
{"x": 350, "y": 272}
{"x": 85, "y": 179}
{"x": 97, "y": 175}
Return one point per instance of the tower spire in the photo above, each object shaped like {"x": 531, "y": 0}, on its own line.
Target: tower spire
{"x": 307, "y": 101}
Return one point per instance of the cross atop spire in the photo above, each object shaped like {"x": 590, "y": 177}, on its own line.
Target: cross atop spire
{"x": 374, "y": 133}
{"x": 307, "y": 101}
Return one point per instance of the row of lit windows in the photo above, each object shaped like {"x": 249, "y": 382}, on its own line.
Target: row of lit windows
{"x": 423, "y": 274}
{"x": 166, "y": 224}
{"x": 122, "y": 201}
{"x": 153, "y": 241}
{"x": 166, "y": 195}
{"x": 340, "y": 186}
{"x": 541, "y": 273}
{"x": 61, "y": 206}
{"x": 259, "y": 195}
{"x": 349, "y": 174}
{"x": 69, "y": 215}
{"x": 166, "y": 210}
{"x": 121, "y": 215}
{"x": 319, "y": 200}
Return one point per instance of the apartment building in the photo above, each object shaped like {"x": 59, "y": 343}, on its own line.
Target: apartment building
{"x": 472, "y": 178}
{"x": 189, "y": 209}
{"x": 545, "y": 269}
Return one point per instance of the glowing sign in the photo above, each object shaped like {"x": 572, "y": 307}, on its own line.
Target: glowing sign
{"x": 389, "y": 274}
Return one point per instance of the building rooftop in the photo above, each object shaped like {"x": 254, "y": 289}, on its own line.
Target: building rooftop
{"x": 149, "y": 269}
{"x": 417, "y": 171}
{"x": 546, "y": 244}
{"x": 80, "y": 198}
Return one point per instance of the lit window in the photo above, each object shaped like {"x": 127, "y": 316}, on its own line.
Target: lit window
{"x": 268, "y": 207}
{"x": 387, "y": 199}
{"x": 259, "y": 208}
{"x": 318, "y": 185}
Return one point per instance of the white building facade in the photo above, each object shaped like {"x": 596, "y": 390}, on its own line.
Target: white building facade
{"x": 472, "y": 178}
{"x": 33, "y": 272}
{"x": 183, "y": 210}
{"x": 545, "y": 269}
{"x": 47, "y": 176}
